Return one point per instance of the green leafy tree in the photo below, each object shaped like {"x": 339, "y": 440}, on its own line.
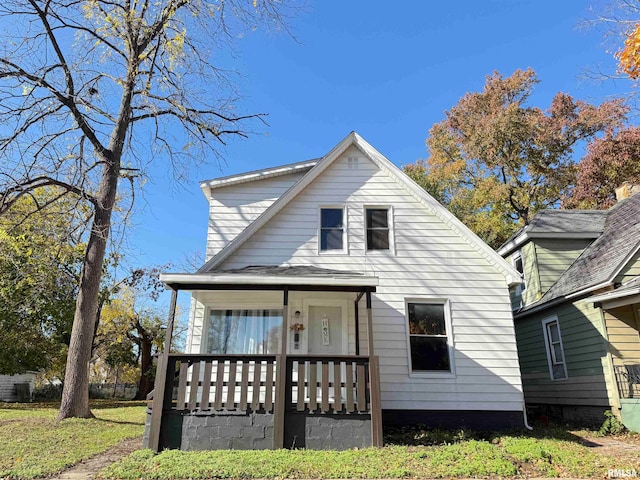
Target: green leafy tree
{"x": 40, "y": 261}
{"x": 92, "y": 92}
{"x": 610, "y": 161}
{"x": 495, "y": 161}
{"x": 131, "y": 327}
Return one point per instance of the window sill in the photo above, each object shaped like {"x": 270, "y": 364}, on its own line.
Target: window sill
{"x": 434, "y": 374}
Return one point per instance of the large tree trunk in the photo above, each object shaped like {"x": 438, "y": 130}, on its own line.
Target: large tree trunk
{"x": 146, "y": 378}
{"x": 75, "y": 394}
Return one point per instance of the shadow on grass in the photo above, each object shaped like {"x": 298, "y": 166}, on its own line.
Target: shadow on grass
{"x": 421, "y": 435}
{"x": 119, "y": 422}
{"x": 94, "y": 404}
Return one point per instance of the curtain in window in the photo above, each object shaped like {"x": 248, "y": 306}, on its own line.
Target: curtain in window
{"x": 244, "y": 331}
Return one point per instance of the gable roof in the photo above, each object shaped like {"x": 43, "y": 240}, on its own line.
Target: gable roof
{"x": 585, "y": 224}
{"x": 602, "y": 261}
{"x": 353, "y": 139}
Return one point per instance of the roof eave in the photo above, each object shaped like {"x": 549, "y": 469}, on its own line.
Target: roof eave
{"x": 248, "y": 279}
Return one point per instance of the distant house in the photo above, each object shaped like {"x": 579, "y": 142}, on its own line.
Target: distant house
{"x": 338, "y": 298}
{"x": 577, "y": 313}
{"x": 17, "y": 388}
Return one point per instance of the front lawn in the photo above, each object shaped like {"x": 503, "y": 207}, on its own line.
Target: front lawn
{"x": 33, "y": 444}
{"x": 440, "y": 455}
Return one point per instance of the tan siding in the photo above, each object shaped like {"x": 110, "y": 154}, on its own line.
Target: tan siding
{"x": 624, "y": 339}
{"x": 430, "y": 262}
{"x": 631, "y": 270}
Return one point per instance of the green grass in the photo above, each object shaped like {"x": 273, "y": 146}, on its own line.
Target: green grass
{"x": 33, "y": 444}
{"x": 501, "y": 456}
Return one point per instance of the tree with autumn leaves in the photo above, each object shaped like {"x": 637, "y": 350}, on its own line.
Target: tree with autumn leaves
{"x": 495, "y": 160}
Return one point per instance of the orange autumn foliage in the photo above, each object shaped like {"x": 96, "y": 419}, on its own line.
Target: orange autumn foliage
{"x": 629, "y": 56}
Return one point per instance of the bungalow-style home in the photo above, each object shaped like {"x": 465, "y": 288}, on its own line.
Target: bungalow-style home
{"x": 577, "y": 313}
{"x": 338, "y": 298}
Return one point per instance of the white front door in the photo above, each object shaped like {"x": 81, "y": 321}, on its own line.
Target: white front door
{"x": 326, "y": 327}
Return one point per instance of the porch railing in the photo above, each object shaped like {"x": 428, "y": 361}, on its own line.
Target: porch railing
{"x": 628, "y": 380}
{"x": 346, "y": 384}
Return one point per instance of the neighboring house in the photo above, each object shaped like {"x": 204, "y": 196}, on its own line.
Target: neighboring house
{"x": 338, "y": 297}
{"x": 17, "y": 388}
{"x": 577, "y": 313}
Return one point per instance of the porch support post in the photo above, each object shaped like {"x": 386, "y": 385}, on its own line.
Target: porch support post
{"x": 356, "y": 308}
{"x": 281, "y": 377}
{"x": 161, "y": 379}
{"x": 369, "y": 323}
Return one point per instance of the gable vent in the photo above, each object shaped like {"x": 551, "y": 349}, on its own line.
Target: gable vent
{"x": 352, "y": 162}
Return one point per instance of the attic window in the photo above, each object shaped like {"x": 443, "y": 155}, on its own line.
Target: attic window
{"x": 331, "y": 229}
{"x": 352, "y": 163}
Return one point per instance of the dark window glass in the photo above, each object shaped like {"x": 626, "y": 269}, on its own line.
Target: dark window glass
{"x": 428, "y": 337}
{"x": 331, "y": 229}
{"x": 377, "y": 229}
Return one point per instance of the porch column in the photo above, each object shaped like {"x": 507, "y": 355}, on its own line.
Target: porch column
{"x": 374, "y": 381}
{"x": 369, "y": 323}
{"x": 161, "y": 378}
{"x": 281, "y": 376}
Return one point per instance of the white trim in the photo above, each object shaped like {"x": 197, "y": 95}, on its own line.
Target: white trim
{"x": 390, "y": 225}
{"x": 525, "y": 235}
{"x": 256, "y": 175}
{"x": 511, "y": 276}
{"x": 620, "y": 293}
{"x": 547, "y": 345}
{"x": 345, "y": 229}
{"x": 446, "y": 303}
{"x": 523, "y": 286}
{"x": 241, "y": 279}
{"x": 325, "y": 302}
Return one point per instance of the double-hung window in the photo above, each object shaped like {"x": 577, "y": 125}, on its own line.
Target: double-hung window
{"x": 555, "y": 350}
{"x": 332, "y": 229}
{"x": 378, "y": 233}
{"x": 519, "y": 266}
{"x": 429, "y": 336}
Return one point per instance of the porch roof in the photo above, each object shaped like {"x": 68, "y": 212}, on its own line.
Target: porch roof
{"x": 626, "y": 294}
{"x": 271, "y": 277}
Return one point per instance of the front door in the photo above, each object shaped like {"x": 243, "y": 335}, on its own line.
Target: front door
{"x": 326, "y": 330}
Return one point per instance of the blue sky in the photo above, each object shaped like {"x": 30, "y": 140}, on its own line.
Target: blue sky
{"x": 388, "y": 73}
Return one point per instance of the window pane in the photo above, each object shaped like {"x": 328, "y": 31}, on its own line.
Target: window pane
{"x": 428, "y": 354}
{"x": 557, "y": 353}
{"x": 331, "y": 218}
{"x": 244, "y": 331}
{"x": 518, "y": 265}
{"x": 426, "y": 319}
{"x": 377, "y": 218}
{"x": 558, "y": 372}
{"x": 330, "y": 239}
{"x": 553, "y": 332}
{"x": 377, "y": 239}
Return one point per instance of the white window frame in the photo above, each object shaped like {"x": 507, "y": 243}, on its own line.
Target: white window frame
{"x": 345, "y": 229}
{"x": 450, "y": 342}
{"x": 551, "y": 360}
{"x": 523, "y": 286}
{"x": 390, "y": 224}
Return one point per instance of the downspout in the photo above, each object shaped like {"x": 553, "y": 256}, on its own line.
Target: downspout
{"x": 524, "y": 416}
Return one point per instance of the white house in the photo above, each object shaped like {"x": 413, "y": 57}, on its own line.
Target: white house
{"x": 338, "y": 298}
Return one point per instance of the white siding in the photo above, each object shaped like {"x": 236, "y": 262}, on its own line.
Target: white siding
{"x": 236, "y": 206}
{"x": 430, "y": 261}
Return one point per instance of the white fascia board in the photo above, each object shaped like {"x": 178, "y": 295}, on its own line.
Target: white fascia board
{"x": 615, "y": 294}
{"x": 512, "y": 245}
{"x": 517, "y": 242}
{"x": 589, "y": 289}
{"x": 242, "y": 279}
{"x": 245, "y": 177}
{"x": 511, "y": 274}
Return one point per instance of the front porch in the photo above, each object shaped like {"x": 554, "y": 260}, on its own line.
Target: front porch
{"x": 291, "y": 398}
